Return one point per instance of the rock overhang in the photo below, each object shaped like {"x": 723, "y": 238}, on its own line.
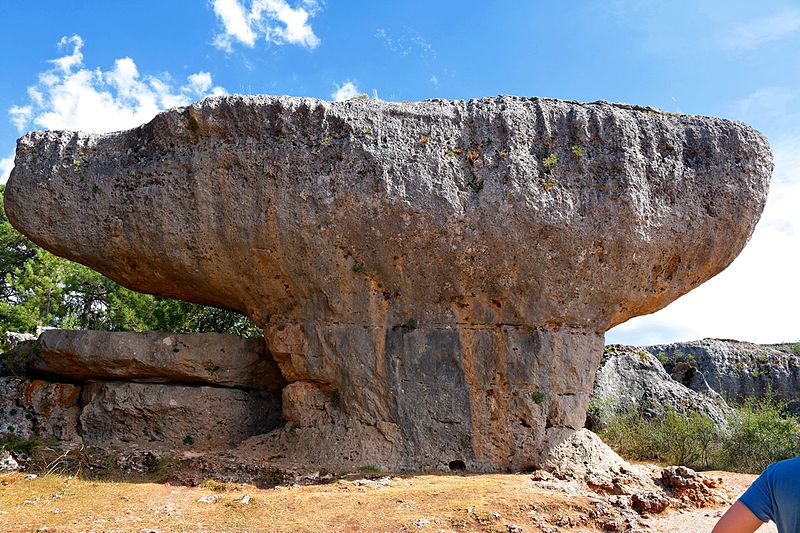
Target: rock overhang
{"x": 603, "y": 210}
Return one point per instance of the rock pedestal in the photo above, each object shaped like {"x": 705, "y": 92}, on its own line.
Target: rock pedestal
{"x": 433, "y": 278}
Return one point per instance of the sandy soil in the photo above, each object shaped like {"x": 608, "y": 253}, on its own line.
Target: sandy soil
{"x": 496, "y": 503}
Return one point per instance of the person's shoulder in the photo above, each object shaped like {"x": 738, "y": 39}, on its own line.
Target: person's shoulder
{"x": 786, "y": 470}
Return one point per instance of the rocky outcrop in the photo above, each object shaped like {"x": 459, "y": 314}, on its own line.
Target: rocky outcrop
{"x": 736, "y": 370}
{"x": 583, "y": 459}
{"x": 198, "y": 358}
{"x": 156, "y": 400}
{"x": 631, "y": 379}
{"x": 154, "y": 416}
{"x": 38, "y": 410}
{"x": 434, "y": 279}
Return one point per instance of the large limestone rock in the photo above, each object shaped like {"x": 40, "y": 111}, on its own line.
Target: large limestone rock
{"x": 210, "y": 358}
{"x": 434, "y": 279}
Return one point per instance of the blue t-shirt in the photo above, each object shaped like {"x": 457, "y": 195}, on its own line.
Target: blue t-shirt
{"x": 775, "y": 495}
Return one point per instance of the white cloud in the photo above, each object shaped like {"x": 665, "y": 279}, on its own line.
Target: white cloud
{"x": 236, "y": 23}
{"x": 200, "y": 82}
{"x": 434, "y": 80}
{"x": 756, "y": 298}
{"x": 20, "y": 115}
{"x": 763, "y": 30}
{"x": 6, "y": 164}
{"x": 275, "y": 20}
{"x": 65, "y": 63}
{"x": 71, "y": 96}
{"x": 345, "y": 92}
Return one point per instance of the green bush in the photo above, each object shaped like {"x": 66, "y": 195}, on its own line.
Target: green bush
{"x": 676, "y": 438}
{"x": 12, "y": 443}
{"x": 759, "y": 432}
{"x": 633, "y": 435}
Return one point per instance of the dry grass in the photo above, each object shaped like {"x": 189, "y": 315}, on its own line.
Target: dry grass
{"x": 450, "y": 503}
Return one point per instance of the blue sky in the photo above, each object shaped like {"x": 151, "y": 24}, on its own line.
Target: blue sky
{"x": 102, "y": 66}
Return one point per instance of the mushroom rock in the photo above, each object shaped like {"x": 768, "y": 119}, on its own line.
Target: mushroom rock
{"x": 433, "y": 279}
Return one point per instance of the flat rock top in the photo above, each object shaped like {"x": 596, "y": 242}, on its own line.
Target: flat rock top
{"x": 499, "y": 210}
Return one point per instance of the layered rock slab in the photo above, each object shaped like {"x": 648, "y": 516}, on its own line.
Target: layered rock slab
{"x": 436, "y": 276}
{"x": 195, "y": 358}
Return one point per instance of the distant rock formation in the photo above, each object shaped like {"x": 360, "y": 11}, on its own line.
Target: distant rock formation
{"x": 736, "y": 370}
{"x": 433, "y": 279}
{"x": 631, "y": 379}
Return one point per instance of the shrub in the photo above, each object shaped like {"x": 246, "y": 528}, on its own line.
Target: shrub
{"x": 12, "y": 443}
{"x": 761, "y": 432}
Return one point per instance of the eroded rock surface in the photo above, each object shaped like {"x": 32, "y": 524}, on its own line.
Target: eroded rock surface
{"x": 38, "y": 410}
{"x": 434, "y": 279}
{"x": 736, "y": 370}
{"x": 224, "y": 360}
{"x": 156, "y": 416}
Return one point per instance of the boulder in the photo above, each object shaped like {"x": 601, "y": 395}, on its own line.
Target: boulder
{"x": 38, "y": 410}
{"x": 734, "y": 369}
{"x": 630, "y": 378}
{"x": 436, "y": 275}
{"x": 14, "y": 339}
{"x": 210, "y": 358}
{"x": 15, "y": 360}
{"x": 689, "y": 486}
{"x": 7, "y": 462}
{"x": 121, "y": 415}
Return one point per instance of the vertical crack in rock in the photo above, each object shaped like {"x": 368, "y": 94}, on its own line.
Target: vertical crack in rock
{"x": 434, "y": 278}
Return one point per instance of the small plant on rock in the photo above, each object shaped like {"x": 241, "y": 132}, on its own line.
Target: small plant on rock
{"x": 409, "y": 325}
{"x": 336, "y": 398}
{"x": 476, "y": 186}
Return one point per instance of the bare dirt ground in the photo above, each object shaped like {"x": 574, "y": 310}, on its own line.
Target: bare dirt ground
{"x": 703, "y": 520}
{"x": 498, "y": 503}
